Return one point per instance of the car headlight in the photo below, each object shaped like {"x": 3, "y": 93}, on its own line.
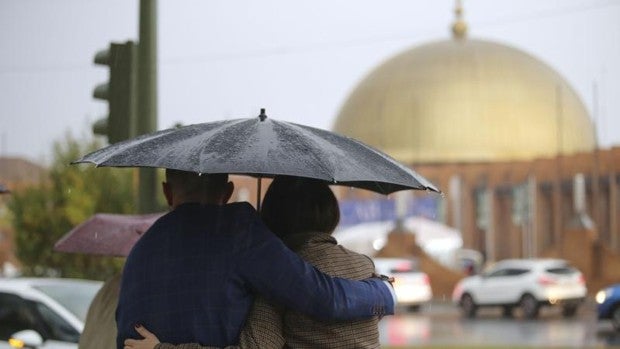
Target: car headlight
{"x": 602, "y": 295}
{"x": 16, "y": 343}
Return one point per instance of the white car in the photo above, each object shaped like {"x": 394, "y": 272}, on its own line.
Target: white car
{"x": 44, "y": 312}
{"x": 524, "y": 283}
{"x": 412, "y": 286}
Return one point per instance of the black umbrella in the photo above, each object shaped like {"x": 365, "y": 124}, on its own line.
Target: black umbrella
{"x": 263, "y": 147}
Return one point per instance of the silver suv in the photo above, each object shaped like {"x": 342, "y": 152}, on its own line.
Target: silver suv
{"x": 526, "y": 284}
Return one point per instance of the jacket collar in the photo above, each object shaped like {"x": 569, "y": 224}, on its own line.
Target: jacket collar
{"x": 296, "y": 241}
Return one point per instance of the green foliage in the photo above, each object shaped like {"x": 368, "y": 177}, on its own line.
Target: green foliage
{"x": 43, "y": 214}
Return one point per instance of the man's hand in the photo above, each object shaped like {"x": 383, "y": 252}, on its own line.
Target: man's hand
{"x": 149, "y": 340}
{"x": 389, "y": 279}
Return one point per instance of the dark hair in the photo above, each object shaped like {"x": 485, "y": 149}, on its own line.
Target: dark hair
{"x": 299, "y": 205}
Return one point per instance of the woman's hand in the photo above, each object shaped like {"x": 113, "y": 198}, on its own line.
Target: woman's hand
{"x": 148, "y": 342}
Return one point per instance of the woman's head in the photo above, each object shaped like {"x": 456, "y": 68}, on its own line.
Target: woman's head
{"x": 298, "y": 205}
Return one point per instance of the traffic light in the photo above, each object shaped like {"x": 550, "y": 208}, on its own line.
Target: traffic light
{"x": 120, "y": 92}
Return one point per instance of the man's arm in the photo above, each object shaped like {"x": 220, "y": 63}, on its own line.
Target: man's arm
{"x": 281, "y": 276}
{"x": 262, "y": 330}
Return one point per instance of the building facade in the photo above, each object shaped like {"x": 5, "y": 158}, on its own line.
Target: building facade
{"x": 524, "y": 208}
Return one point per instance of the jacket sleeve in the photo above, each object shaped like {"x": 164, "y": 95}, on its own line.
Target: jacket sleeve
{"x": 263, "y": 329}
{"x": 281, "y": 276}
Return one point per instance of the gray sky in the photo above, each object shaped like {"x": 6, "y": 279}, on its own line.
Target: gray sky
{"x": 299, "y": 59}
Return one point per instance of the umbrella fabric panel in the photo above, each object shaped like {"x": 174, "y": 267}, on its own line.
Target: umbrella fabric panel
{"x": 106, "y": 234}
{"x": 264, "y": 148}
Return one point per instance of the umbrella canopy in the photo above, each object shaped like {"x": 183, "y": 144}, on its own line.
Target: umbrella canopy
{"x": 263, "y": 147}
{"x": 106, "y": 234}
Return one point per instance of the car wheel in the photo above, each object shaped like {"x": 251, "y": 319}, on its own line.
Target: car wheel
{"x": 615, "y": 318}
{"x": 507, "y": 311}
{"x": 529, "y": 306}
{"x": 468, "y": 306}
{"x": 569, "y": 310}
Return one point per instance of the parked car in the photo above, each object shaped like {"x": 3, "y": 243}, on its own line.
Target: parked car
{"x": 608, "y": 305}
{"x": 44, "y": 312}
{"x": 412, "y": 286}
{"x": 524, "y": 283}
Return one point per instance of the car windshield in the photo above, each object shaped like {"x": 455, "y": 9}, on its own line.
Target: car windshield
{"x": 74, "y": 296}
{"x": 565, "y": 270}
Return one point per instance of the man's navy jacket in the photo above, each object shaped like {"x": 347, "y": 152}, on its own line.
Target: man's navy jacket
{"x": 192, "y": 278}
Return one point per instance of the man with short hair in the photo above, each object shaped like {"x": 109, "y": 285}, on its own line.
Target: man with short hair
{"x": 192, "y": 277}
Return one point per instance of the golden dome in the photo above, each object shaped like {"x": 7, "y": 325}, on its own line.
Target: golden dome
{"x": 466, "y": 101}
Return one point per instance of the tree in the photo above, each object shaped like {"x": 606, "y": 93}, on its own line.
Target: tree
{"x": 42, "y": 214}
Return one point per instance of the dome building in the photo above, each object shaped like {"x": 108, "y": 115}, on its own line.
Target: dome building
{"x": 501, "y": 133}
{"x": 464, "y": 100}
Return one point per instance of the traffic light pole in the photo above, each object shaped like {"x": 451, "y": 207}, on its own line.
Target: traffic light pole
{"x": 147, "y": 101}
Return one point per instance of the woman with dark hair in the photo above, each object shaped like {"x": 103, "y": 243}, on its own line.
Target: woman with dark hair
{"x": 303, "y": 212}
{"x": 294, "y": 205}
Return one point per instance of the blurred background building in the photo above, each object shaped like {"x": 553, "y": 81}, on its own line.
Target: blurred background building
{"x": 506, "y": 138}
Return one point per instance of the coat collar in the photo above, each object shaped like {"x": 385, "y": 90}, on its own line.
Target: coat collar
{"x": 296, "y": 241}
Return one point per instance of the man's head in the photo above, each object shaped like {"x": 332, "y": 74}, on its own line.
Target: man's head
{"x": 183, "y": 186}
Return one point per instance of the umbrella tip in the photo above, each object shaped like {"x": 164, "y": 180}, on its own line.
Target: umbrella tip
{"x": 262, "y": 115}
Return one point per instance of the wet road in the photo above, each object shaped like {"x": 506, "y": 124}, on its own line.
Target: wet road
{"x": 441, "y": 324}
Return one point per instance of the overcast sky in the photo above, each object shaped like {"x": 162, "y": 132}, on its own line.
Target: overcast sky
{"x": 299, "y": 59}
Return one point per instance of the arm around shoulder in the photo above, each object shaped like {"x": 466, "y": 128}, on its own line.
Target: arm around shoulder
{"x": 281, "y": 276}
